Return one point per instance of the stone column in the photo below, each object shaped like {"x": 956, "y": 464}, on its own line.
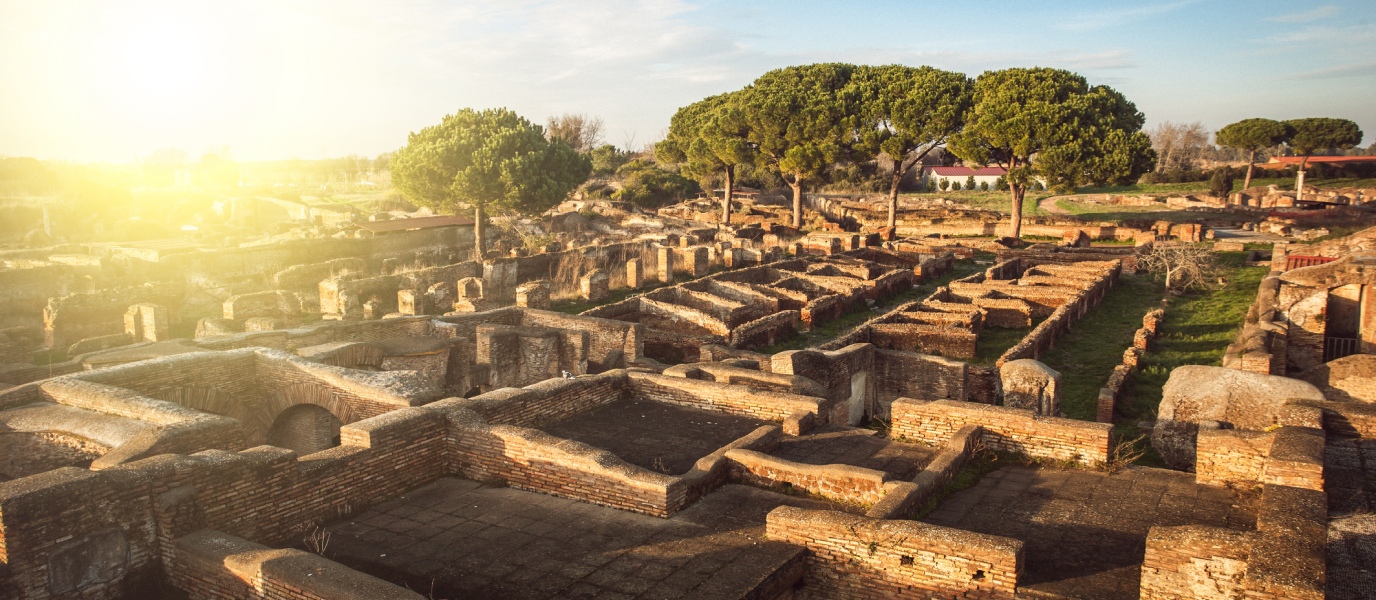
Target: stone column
{"x": 635, "y": 274}
{"x": 594, "y": 286}
{"x": 666, "y": 265}
{"x": 146, "y": 322}
{"x": 698, "y": 263}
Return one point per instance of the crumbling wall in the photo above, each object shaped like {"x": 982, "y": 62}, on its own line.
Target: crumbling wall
{"x": 75, "y": 317}
{"x": 1008, "y": 429}
{"x": 855, "y": 557}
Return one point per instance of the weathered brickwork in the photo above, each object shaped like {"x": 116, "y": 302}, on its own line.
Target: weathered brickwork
{"x": 730, "y": 399}
{"x": 1007, "y": 429}
{"x": 214, "y": 566}
{"x": 1193, "y": 562}
{"x": 856, "y": 557}
{"x": 855, "y": 485}
{"x": 1231, "y": 456}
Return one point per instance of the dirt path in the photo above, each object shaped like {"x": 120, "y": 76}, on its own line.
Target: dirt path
{"x": 1049, "y": 205}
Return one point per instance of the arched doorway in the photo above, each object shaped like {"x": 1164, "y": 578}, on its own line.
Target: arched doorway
{"x": 306, "y": 429}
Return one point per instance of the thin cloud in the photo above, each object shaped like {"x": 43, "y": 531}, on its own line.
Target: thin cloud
{"x": 1354, "y": 70}
{"x": 1349, "y": 35}
{"x": 1110, "y": 18}
{"x": 1321, "y": 12}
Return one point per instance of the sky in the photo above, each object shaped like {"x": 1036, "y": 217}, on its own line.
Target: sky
{"x": 274, "y": 79}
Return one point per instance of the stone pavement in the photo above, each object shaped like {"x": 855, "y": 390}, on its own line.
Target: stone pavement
{"x": 661, "y": 437}
{"x": 856, "y": 447}
{"x": 457, "y": 538}
{"x": 1350, "y": 480}
{"x": 1085, "y": 531}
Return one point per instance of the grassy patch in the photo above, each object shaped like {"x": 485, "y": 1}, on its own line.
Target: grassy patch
{"x": 1087, "y": 355}
{"x": 994, "y": 341}
{"x": 1118, "y": 213}
{"x": 1197, "y": 330}
{"x": 991, "y": 200}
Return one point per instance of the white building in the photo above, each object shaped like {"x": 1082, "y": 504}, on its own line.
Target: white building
{"x": 957, "y": 176}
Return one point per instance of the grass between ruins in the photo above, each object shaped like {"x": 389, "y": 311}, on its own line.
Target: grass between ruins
{"x": 859, "y": 313}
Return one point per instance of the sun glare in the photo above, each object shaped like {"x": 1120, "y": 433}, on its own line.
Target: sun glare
{"x": 154, "y": 65}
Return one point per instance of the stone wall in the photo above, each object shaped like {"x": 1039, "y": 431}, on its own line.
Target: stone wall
{"x": 1192, "y": 562}
{"x": 846, "y": 483}
{"x": 731, "y": 399}
{"x": 75, "y": 317}
{"x": 856, "y": 557}
{"x": 210, "y": 565}
{"x": 1006, "y": 429}
{"x": 1231, "y": 456}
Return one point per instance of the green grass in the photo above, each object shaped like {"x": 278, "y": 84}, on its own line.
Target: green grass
{"x": 991, "y": 200}
{"x": 1118, "y": 213}
{"x": 994, "y": 341}
{"x": 1087, "y": 355}
{"x": 859, "y": 313}
{"x": 1197, "y": 330}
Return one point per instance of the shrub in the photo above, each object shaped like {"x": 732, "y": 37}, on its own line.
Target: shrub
{"x": 984, "y": 186}
{"x": 646, "y": 185}
{"x": 1001, "y": 184}
{"x": 606, "y": 159}
{"x": 1221, "y": 184}
{"x": 970, "y": 182}
{"x": 944, "y": 184}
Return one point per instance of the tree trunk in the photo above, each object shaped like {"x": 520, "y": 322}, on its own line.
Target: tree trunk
{"x": 1018, "y": 192}
{"x": 1251, "y": 160}
{"x": 479, "y": 248}
{"x": 893, "y": 191}
{"x": 726, "y": 202}
{"x": 797, "y": 203}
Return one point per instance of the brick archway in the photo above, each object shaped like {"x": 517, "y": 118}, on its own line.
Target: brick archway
{"x": 295, "y": 395}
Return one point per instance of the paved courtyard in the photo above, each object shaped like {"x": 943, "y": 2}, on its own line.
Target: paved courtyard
{"x": 1084, "y": 531}
{"x": 468, "y": 540}
{"x": 1350, "y": 480}
{"x": 657, "y": 436}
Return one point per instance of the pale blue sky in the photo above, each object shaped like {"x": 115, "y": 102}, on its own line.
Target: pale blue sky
{"x": 275, "y": 78}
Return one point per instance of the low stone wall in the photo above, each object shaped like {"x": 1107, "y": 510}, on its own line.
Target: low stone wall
{"x": 214, "y": 566}
{"x": 730, "y": 399}
{"x": 1285, "y": 558}
{"x": 904, "y": 498}
{"x": 1113, "y": 389}
{"x": 856, "y": 557}
{"x": 1231, "y": 456}
{"x": 1192, "y": 562}
{"x": 845, "y": 483}
{"x": 766, "y": 331}
{"x": 1007, "y": 429}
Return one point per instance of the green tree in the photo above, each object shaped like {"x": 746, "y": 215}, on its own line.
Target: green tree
{"x": 1077, "y": 134}
{"x": 970, "y": 182}
{"x": 801, "y": 120}
{"x": 489, "y": 158}
{"x": 984, "y": 186}
{"x": 648, "y": 186}
{"x": 1313, "y": 135}
{"x": 1251, "y": 135}
{"x": 606, "y": 159}
{"x": 1221, "y": 183}
{"x": 905, "y": 113}
{"x": 944, "y": 184}
{"x": 708, "y": 137}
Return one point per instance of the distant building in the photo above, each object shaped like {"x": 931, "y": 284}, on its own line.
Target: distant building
{"x": 957, "y": 176}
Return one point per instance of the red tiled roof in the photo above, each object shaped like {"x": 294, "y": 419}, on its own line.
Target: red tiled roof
{"x": 966, "y": 171}
{"x": 1295, "y": 160}
{"x": 417, "y": 223}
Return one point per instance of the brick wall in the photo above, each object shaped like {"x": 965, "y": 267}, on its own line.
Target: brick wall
{"x": 730, "y": 399}
{"x": 1008, "y": 429}
{"x": 1193, "y": 562}
{"x": 1225, "y": 456}
{"x": 920, "y": 376}
{"x": 846, "y": 483}
{"x": 856, "y": 557}
{"x": 902, "y": 499}
{"x": 210, "y": 565}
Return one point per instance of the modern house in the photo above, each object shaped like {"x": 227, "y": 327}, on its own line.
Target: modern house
{"x": 957, "y": 176}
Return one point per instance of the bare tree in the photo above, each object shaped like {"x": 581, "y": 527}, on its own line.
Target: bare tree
{"x": 1178, "y": 145}
{"x": 582, "y": 132}
{"x": 1184, "y": 265}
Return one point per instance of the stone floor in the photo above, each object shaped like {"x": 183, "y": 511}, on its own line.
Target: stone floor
{"x": 457, "y": 538}
{"x": 1350, "y": 480}
{"x": 661, "y": 437}
{"x": 1085, "y": 531}
{"x": 856, "y": 447}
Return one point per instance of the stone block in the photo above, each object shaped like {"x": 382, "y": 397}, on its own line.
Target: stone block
{"x": 372, "y": 309}
{"x": 594, "y": 286}
{"x": 1075, "y": 238}
{"x": 1032, "y": 385}
{"x": 146, "y": 322}
{"x": 409, "y": 302}
{"x": 208, "y": 327}
{"x": 533, "y": 294}
{"x": 262, "y": 324}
